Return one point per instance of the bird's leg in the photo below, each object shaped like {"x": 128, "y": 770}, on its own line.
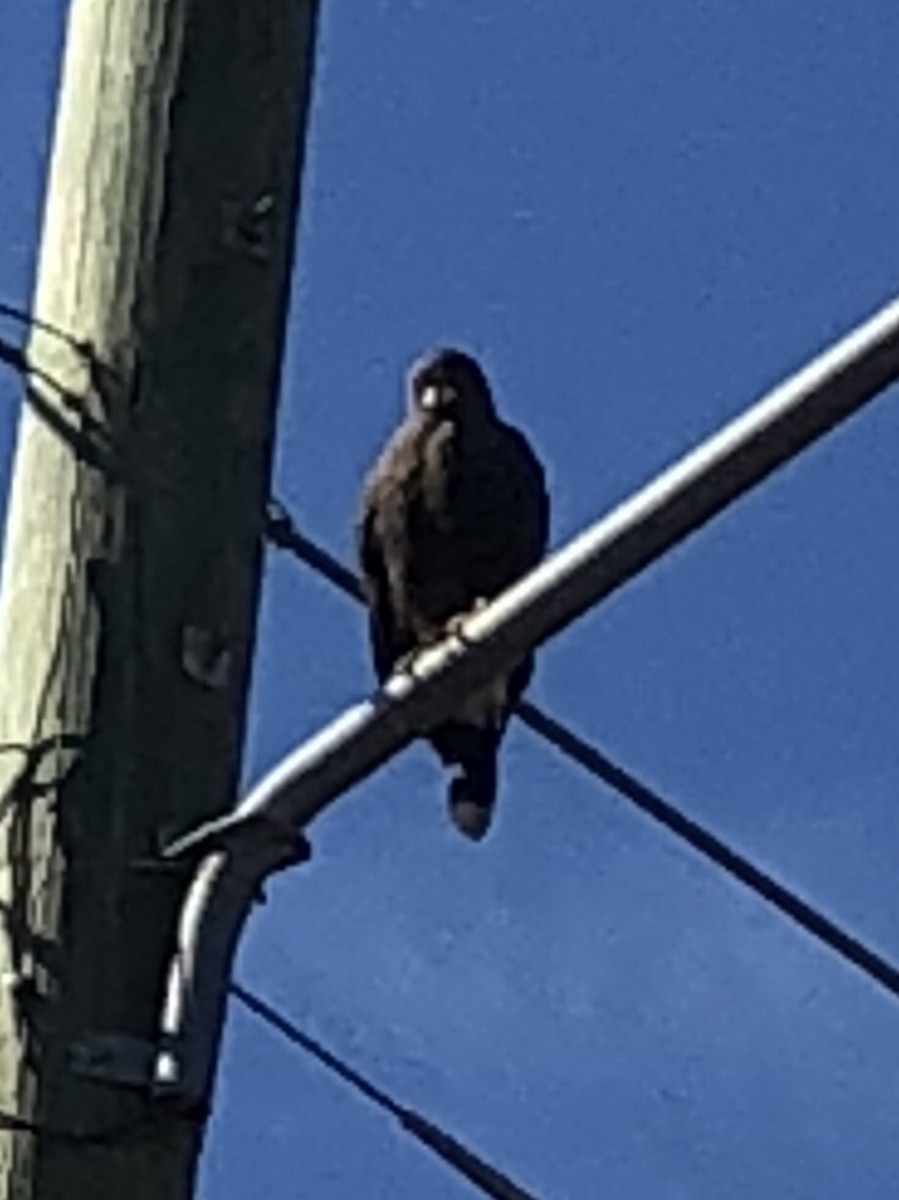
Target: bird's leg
{"x": 405, "y": 664}
{"x": 486, "y": 706}
{"x": 454, "y": 627}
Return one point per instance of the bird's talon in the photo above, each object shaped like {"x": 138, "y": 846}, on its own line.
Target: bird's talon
{"x": 455, "y": 626}
{"x": 405, "y": 664}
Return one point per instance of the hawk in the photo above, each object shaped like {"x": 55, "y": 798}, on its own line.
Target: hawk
{"x": 454, "y": 510}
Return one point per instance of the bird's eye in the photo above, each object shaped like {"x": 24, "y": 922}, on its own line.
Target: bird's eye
{"x": 430, "y": 399}
{"x": 440, "y": 396}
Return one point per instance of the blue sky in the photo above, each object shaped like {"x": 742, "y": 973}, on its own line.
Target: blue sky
{"x": 641, "y": 216}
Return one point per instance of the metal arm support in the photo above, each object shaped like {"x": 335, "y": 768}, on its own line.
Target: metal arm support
{"x": 225, "y": 885}
{"x": 595, "y": 564}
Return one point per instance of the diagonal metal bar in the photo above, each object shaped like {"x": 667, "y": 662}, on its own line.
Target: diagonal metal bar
{"x": 642, "y": 797}
{"x": 649, "y": 802}
{"x": 240, "y": 850}
{"x": 577, "y": 577}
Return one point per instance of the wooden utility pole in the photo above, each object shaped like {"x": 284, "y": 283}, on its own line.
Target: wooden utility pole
{"x": 132, "y": 557}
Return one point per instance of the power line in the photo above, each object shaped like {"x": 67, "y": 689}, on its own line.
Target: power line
{"x": 13, "y": 356}
{"x": 485, "y": 1177}
{"x": 711, "y": 847}
{"x": 282, "y": 532}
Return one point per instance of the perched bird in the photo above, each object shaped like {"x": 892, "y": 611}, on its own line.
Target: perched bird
{"x": 454, "y": 510}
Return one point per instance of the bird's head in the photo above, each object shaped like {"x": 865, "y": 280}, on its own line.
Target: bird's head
{"x": 450, "y": 385}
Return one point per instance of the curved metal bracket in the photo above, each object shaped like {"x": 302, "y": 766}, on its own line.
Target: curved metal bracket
{"x": 238, "y": 851}
{"x": 225, "y": 885}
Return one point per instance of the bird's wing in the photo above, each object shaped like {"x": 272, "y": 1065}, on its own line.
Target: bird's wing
{"x": 513, "y": 525}
{"x": 529, "y": 500}
{"x": 503, "y": 512}
{"x": 388, "y": 535}
{"x": 382, "y": 626}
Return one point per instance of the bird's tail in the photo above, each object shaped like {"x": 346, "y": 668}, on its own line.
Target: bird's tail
{"x": 471, "y": 795}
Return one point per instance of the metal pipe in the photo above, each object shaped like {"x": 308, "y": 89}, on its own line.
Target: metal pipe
{"x": 224, "y": 887}
{"x": 574, "y": 579}
{"x": 240, "y": 850}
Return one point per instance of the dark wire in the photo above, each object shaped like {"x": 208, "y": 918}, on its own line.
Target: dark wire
{"x": 90, "y": 439}
{"x": 20, "y": 317}
{"x": 649, "y": 802}
{"x": 706, "y": 843}
{"x": 492, "y": 1182}
{"x": 283, "y": 533}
